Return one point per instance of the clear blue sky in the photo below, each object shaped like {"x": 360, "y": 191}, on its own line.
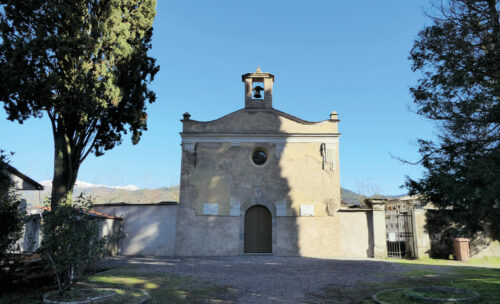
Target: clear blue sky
{"x": 344, "y": 56}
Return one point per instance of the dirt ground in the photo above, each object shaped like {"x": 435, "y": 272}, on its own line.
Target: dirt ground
{"x": 269, "y": 279}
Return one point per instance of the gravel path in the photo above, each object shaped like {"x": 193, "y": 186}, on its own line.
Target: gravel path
{"x": 269, "y": 279}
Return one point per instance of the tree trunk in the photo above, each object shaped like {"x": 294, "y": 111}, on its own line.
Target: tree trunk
{"x": 66, "y": 165}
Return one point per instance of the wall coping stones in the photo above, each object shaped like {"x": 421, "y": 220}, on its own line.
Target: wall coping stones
{"x": 136, "y": 204}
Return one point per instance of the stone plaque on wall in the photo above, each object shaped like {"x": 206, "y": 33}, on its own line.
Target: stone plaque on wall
{"x": 210, "y": 208}
{"x": 281, "y": 208}
{"x": 234, "y": 207}
{"x": 306, "y": 210}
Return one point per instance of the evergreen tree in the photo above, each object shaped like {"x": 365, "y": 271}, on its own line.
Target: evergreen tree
{"x": 458, "y": 56}
{"x": 11, "y": 218}
{"x": 85, "y": 64}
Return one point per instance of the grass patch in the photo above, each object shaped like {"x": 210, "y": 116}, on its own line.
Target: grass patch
{"x": 483, "y": 280}
{"x": 420, "y": 273}
{"x": 399, "y": 296}
{"x": 491, "y": 262}
{"x": 126, "y": 296}
{"x": 168, "y": 288}
{"x": 440, "y": 295}
{"x": 22, "y": 296}
{"x": 78, "y": 294}
{"x": 122, "y": 296}
{"x": 394, "y": 296}
{"x": 35, "y": 296}
{"x": 162, "y": 287}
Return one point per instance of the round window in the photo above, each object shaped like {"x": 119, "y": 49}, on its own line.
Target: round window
{"x": 259, "y": 157}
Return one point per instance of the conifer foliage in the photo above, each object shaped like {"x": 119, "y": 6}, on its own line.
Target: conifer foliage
{"x": 458, "y": 57}
{"x": 11, "y": 218}
{"x": 84, "y": 64}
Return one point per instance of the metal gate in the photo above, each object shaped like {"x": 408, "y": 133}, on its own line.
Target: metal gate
{"x": 399, "y": 229}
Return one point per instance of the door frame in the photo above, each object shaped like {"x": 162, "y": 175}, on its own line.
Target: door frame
{"x": 243, "y": 209}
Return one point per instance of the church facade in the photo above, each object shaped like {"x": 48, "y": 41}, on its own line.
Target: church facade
{"x": 261, "y": 181}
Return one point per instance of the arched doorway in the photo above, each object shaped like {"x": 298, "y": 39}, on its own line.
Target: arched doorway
{"x": 258, "y": 230}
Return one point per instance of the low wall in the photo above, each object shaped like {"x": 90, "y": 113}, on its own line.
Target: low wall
{"x": 485, "y": 248}
{"x": 423, "y": 241}
{"x": 439, "y": 225}
{"x": 317, "y": 237}
{"x": 110, "y": 227}
{"x": 32, "y": 235}
{"x": 207, "y": 235}
{"x": 345, "y": 235}
{"x": 149, "y": 228}
{"x": 357, "y": 233}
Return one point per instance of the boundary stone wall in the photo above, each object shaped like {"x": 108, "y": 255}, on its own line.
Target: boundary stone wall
{"x": 149, "y": 229}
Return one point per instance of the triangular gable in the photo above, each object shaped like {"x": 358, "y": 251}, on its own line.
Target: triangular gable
{"x": 260, "y": 121}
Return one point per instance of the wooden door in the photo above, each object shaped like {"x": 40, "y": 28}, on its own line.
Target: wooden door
{"x": 258, "y": 230}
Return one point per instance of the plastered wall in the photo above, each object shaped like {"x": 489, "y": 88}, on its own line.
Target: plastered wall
{"x": 357, "y": 234}
{"x": 224, "y": 174}
{"x": 149, "y": 229}
{"x": 219, "y": 182}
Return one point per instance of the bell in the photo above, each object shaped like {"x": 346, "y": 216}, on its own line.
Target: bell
{"x": 257, "y": 90}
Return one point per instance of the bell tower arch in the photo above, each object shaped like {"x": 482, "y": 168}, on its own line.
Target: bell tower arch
{"x": 258, "y": 89}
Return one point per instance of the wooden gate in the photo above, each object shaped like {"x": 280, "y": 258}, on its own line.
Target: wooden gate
{"x": 258, "y": 230}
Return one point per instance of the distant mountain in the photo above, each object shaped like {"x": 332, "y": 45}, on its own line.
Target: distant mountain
{"x": 354, "y": 199}
{"x": 350, "y": 197}
{"x": 103, "y": 194}
{"x": 132, "y": 194}
{"x": 85, "y": 185}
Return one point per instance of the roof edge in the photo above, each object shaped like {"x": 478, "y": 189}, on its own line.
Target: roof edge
{"x": 280, "y": 113}
{"x": 24, "y": 177}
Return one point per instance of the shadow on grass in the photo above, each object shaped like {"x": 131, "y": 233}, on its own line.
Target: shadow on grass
{"x": 22, "y": 296}
{"x": 483, "y": 280}
{"x": 168, "y": 288}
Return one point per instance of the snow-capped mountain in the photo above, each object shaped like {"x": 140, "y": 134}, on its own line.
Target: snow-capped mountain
{"x": 82, "y": 184}
{"x": 102, "y": 194}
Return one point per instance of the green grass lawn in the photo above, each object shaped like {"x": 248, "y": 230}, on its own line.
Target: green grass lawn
{"x": 492, "y": 262}
{"x": 162, "y": 287}
{"x": 167, "y": 288}
{"x": 21, "y": 296}
{"x": 482, "y": 276}
{"x": 27, "y": 295}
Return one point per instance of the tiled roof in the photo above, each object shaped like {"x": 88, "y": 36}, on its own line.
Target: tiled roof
{"x": 93, "y": 213}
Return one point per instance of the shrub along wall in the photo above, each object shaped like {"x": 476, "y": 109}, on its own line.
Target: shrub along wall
{"x": 442, "y": 229}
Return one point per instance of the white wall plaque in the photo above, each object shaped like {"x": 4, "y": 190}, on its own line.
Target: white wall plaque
{"x": 189, "y": 147}
{"x": 306, "y": 210}
{"x": 210, "y": 208}
{"x": 281, "y": 208}
{"x": 327, "y": 151}
{"x": 234, "y": 207}
{"x": 392, "y": 237}
{"x": 279, "y": 149}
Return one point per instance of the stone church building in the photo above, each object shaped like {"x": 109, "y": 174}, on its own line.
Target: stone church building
{"x": 261, "y": 181}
